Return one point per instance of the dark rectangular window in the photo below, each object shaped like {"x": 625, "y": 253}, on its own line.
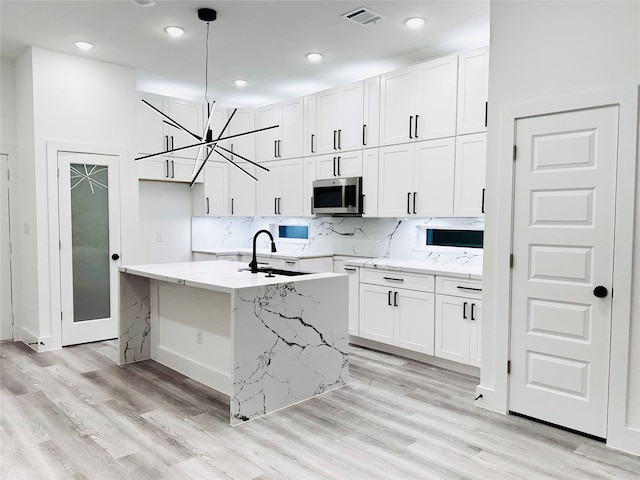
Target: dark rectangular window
{"x": 455, "y": 238}
{"x": 293, "y": 231}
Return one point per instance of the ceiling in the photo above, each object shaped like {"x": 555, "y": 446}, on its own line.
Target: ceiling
{"x": 261, "y": 41}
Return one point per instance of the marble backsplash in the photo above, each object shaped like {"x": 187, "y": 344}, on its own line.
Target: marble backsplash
{"x": 352, "y": 236}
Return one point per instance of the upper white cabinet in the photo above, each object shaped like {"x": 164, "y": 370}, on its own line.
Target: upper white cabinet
{"x": 309, "y": 140}
{"x": 281, "y": 190}
{"x": 473, "y": 91}
{"x": 419, "y": 102}
{"x": 285, "y": 141}
{"x": 471, "y": 159}
{"x": 347, "y": 164}
{"x": 417, "y": 179}
{"x": 242, "y": 146}
{"x": 370, "y": 167}
{"x": 371, "y": 114}
{"x": 212, "y": 197}
{"x": 154, "y": 134}
{"x": 339, "y": 115}
{"x": 242, "y": 188}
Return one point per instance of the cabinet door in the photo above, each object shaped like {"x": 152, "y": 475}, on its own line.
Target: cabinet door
{"x": 328, "y": 120}
{"x": 291, "y": 131}
{"x": 471, "y": 155}
{"x": 434, "y": 175}
{"x": 452, "y": 328}
{"x": 475, "y": 327}
{"x": 309, "y": 107}
{"x": 351, "y": 114}
{"x": 397, "y": 104}
{"x": 291, "y": 201}
{"x": 242, "y": 190}
{"x": 414, "y": 317}
{"x": 354, "y": 294}
{"x": 154, "y": 169}
{"x": 376, "y": 313}
{"x": 371, "y": 114}
{"x": 150, "y": 132}
{"x": 473, "y": 91}
{"x": 265, "y": 142}
{"x": 343, "y": 164}
{"x": 190, "y": 116}
{"x": 309, "y": 177}
{"x": 216, "y": 192}
{"x": 326, "y": 166}
{"x": 370, "y": 183}
{"x": 242, "y": 121}
{"x": 268, "y": 190}
{"x": 437, "y": 95}
{"x": 181, "y": 170}
{"x": 395, "y": 181}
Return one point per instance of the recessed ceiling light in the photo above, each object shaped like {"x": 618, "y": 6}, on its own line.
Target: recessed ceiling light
{"x": 84, "y": 46}
{"x": 143, "y": 3}
{"x": 174, "y": 31}
{"x": 415, "y": 22}
{"x": 240, "y": 82}
{"x": 314, "y": 57}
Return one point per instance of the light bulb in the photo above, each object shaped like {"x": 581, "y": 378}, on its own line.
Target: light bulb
{"x": 84, "y": 46}
{"x": 314, "y": 57}
{"x": 174, "y": 31}
{"x": 415, "y": 22}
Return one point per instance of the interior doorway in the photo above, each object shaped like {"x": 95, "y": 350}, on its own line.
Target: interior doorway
{"x": 6, "y": 309}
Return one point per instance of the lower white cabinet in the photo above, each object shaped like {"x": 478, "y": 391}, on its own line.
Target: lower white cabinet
{"x": 397, "y": 316}
{"x": 354, "y": 293}
{"x": 458, "y": 320}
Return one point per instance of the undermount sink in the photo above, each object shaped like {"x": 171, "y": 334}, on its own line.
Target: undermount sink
{"x": 276, "y": 271}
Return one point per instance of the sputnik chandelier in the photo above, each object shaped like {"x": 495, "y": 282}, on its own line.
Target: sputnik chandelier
{"x": 205, "y": 142}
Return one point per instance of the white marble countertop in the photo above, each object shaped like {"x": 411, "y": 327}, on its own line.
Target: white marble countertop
{"x": 285, "y": 255}
{"x": 218, "y": 275}
{"x": 473, "y": 272}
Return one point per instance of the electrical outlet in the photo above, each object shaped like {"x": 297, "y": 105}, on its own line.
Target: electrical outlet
{"x": 199, "y": 336}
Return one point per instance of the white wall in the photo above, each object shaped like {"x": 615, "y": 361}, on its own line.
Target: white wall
{"x": 165, "y": 222}
{"x": 544, "y": 50}
{"x": 72, "y": 100}
{"x": 8, "y": 132}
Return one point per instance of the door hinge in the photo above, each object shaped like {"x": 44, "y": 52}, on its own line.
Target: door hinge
{"x": 515, "y": 152}
{"x": 508, "y": 367}
{"x": 511, "y": 261}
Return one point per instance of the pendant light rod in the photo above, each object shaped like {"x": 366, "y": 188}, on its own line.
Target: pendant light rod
{"x": 235, "y": 164}
{"x": 171, "y": 121}
{"x": 193, "y": 180}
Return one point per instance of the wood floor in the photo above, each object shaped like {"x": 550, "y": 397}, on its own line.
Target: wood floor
{"x": 75, "y": 414}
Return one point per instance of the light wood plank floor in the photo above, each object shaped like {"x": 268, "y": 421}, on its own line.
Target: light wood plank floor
{"x": 75, "y": 414}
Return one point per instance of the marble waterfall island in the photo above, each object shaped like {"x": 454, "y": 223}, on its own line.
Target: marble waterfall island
{"x": 265, "y": 341}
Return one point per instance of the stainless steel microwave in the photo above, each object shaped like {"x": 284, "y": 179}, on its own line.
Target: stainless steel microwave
{"x": 338, "y": 196}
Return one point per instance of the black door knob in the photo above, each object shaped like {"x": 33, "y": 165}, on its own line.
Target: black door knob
{"x": 115, "y": 256}
{"x": 600, "y": 291}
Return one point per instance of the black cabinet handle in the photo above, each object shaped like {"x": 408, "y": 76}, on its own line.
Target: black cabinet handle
{"x": 311, "y": 205}
{"x": 275, "y": 148}
{"x": 335, "y": 133}
{"x": 173, "y": 169}
{"x": 469, "y": 288}
{"x": 166, "y": 168}
{"x": 473, "y": 313}
{"x": 338, "y": 162}
{"x": 411, "y": 126}
{"x": 600, "y": 291}
{"x": 334, "y": 166}
{"x": 115, "y": 256}
{"x": 393, "y": 279}
{"x": 389, "y": 298}
{"x": 349, "y": 269}
{"x": 166, "y": 142}
{"x": 395, "y": 299}
{"x": 364, "y": 135}
{"x": 416, "y": 128}
{"x": 275, "y": 205}
{"x": 312, "y": 139}
{"x": 339, "y": 139}
{"x": 232, "y": 206}
{"x": 279, "y": 200}
{"x": 415, "y": 194}
{"x": 409, "y": 203}
{"x": 280, "y": 148}
{"x": 486, "y": 113}
{"x": 464, "y": 310}
{"x": 207, "y": 205}
{"x": 171, "y": 142}
{"x": 482, "y": 209}
{"x": 362, "y": 197}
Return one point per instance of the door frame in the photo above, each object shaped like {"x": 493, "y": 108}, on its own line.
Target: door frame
{"x": 53, "y": 147}
{"x": 10, "y": 152}
{"x": 496, "y": 333}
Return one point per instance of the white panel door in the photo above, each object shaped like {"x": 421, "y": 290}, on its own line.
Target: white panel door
{"x": 565, "y": 174}
{"x": 397, "y": 106}
{"x": 291, "y": 201}
{"x": 6, "y": 319}
{"x": 438, "y": 90}
{"x": 89, "y": 217}
{"x": 471, "y": 160}
{"x": 268, "y": 189}
{"x": 328, "y": 121}
{"x": 265, "y": 141}
{"x": 414, "y": 318}
{"x": 352, "y": 106}
{"x": 376, "y": 313}
{"x": 291, "y": 131}
{"x": 473, "y": 91}
{"x": 434, "y": 174}
{"x": 395, "y": 180}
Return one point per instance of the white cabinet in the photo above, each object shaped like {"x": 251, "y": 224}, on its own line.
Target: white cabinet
{"x": 281, "y": 190}
{"x": 285, "y": 141}
{"x": 154, "y": 133}
{"x": 339, "y": 114}
{"x": 419, "y": 102}
{"x": 370, "y": 182}
{"x": 458, "y": 320}
{"x": 211, "y": 198}
{"x": 309, "y": 109}
{"x": 309, "y": 177}
{"x": 344, "y": 164}
{"x": 242, "y": 188}
{"x": 473, "y": 91}
{"x": 167, "y": 169}
{"x": 471, "y": 158}
{"x": 354, "y": 293}
{"x": 417, "y": 179}
{"x": 403, "y": 317}
{"x": 371, "y": 114}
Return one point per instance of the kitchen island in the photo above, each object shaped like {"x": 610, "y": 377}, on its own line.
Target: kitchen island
{"x": 267, "y": 342}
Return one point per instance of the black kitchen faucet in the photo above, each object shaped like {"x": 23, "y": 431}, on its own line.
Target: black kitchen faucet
{"x": 253, "y": 265}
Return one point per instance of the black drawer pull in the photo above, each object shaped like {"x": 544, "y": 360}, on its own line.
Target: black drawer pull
{"x": 469, "y": 288}
{"x": 349, "y": 269}
{"x": 464, "y": 310}
{"x": 394, "y": 279}
{"x": 389, "y": 298}
{"x": 473, "y": 313}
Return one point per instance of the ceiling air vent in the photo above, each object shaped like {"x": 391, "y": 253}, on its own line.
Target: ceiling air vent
{"x": 363, "y": 16}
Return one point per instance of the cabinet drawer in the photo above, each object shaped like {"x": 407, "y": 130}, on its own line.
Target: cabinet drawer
{"x": 391, "y": 278}
{"x": 459, "y": 287}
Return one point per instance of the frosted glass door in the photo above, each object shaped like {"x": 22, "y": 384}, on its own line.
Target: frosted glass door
{"x": 89, "y": 236}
